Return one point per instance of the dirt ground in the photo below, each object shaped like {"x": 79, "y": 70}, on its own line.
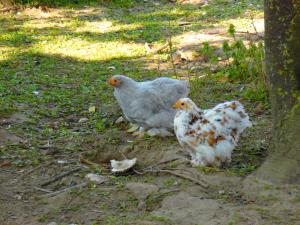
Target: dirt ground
{"x": 150, "y": 198}
{"x": 163, "y": 188}
{"x": 213, "y": 196}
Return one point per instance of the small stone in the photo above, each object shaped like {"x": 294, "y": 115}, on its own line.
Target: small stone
{"x": 52, "y": 223}
{"x": 119, "y": 120}
{"x": 83, "y": 120}
{"x": 214, "y": 69}
{"x": 221, "y": 192}
{"x": 141, "y": 190}
{"x": 111, "y": 68}
{"x": 18, "y": 197}
{"x": 142, "y": 206}
{"x": 62, "y": 161}
{"x": 95, "y": 178}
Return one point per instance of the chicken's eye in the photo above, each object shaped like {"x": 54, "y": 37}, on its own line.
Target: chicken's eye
{"x": 182, "y": 103}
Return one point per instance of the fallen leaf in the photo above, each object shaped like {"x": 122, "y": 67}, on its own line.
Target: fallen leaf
{"x": 83, "y": 120}
{"x": 259, "y": 109}
{"x": 5, "y": 163}
{"x": 92, "y": 109}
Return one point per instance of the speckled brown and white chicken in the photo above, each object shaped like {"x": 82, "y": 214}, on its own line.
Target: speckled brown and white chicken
{"x": 209, "y": 135}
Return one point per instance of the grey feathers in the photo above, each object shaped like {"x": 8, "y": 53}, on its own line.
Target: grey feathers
{"x": 148, "y": 104}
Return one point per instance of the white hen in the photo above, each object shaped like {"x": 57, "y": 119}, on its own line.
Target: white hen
{"x": 149, "y": 104}
{"x": 209, "y": 135}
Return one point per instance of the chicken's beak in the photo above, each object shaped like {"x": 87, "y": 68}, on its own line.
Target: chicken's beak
{"x": 176, "y": 105}
{"x": 111, "y": 82}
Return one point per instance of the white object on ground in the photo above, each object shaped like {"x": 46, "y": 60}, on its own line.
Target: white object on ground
{"x": 122, "y": 166}
{"x": 98, "y": 179}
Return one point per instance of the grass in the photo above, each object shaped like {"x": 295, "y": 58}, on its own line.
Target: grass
{"x": 54, "y": 66}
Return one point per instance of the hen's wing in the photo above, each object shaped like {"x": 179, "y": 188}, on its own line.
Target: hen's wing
{"x": 148, "y": 110}
{"x": 168, "y": 89}
{"x": 228, "y": 116}
{"x": 148, "y": 104}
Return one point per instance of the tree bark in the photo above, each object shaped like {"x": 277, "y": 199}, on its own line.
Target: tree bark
{"x": 282, "y": 47}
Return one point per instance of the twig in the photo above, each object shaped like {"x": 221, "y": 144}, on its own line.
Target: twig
{"x": 163, "y": 162}
{"x": 169, "y": 191}
{"x": 148, "y": 168}
{"x": 87, "y": 162}
{"x": 61, "y": 176}
{"x": 249, "y": 33}
{"x": 158, "y": 66}
{"x": 183, "y": 23}
{"x": 64, "y": 190}
{"x": 97, "y": 211}
{"x": 199, "y": 182}
{"x": 8, "y": 171}
{"x": 35, "y": 168}
{"x": 42, "y": 189}
{"x": 171, "y": 50}
{"x": 138, "y": 172}
{"x": 30, "y": 171}
{"x": 156, "y": 50}
{"x": 187, "y": 68}
{"x": 123, "y": 155}
{"x": 252, "y": 21}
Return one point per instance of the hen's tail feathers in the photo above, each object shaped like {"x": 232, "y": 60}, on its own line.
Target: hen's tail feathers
{"x": 245, "y": 121}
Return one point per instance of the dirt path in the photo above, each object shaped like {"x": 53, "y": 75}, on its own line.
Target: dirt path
{"x": 151, "y": 198}
{"x": 142, "y": 199}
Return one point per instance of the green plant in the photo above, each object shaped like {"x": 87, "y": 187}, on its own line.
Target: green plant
{"x": 257, "y": 93}
{"x": 231, "y": 30}
{"x": 208, "y": 53}
{"x": 245, "y": 65}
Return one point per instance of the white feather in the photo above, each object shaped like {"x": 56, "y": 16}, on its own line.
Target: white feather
{"x": 210, "y": 135}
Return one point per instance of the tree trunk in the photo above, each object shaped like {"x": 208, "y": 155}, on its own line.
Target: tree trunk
{"x": 282, "y": 46}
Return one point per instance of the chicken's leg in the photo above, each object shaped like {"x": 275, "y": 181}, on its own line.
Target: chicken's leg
{"x": 133, "y": 128}
{"x": 161, "y": 132}
{"x": 140, "y": 133}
